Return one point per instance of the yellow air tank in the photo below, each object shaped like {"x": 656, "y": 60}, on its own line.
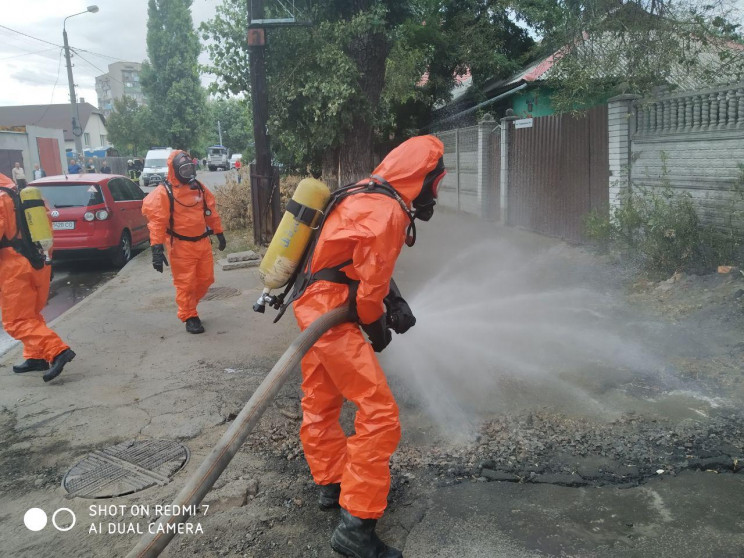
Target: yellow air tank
{"x": 293, "y": 235}
{"x": 36, "y": 218}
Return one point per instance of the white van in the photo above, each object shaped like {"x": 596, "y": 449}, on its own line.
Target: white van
{"x": 156, "y": 166}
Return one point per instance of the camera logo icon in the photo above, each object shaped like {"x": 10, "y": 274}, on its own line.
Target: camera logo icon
{"x": 36, "y": 519}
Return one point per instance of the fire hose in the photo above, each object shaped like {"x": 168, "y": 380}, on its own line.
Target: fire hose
{"x": 191, "y": 495}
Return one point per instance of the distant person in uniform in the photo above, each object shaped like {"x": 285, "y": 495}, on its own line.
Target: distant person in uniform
{"x": 19, "y": 176}
{"x": 238, "y": 164}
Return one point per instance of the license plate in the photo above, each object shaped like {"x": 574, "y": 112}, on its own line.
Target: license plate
{"x": 63, "y": 225}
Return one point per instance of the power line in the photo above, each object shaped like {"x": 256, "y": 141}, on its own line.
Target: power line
{"x": 28, "y": 53}
{"x": 96, "y": 67}
{"x": 29, "y": 36}
{"x": 59, "y": 66}
{"x": 56, "y": 45}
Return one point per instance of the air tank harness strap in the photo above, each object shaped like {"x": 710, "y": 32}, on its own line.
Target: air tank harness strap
{"x": 23, "y": 243}
{"x": 28, "y": 204}
{"x": 330, "y": 274}
{"x": 174, "y": 234}
{"x": 393, "y": 193}
{"x": 172, "y": 199}
{"x": 304, "y": 214}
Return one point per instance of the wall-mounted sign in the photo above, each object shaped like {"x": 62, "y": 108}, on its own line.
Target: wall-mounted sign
{"x": 523, "y": 123}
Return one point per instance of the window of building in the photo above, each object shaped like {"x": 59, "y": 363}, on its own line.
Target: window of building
{"x": 103, "y": 139}
{"x": 86, "y": 139}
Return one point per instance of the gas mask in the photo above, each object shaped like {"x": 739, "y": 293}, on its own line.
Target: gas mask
{"x": 185, "y": 170}
{"x": 427, "y": 199}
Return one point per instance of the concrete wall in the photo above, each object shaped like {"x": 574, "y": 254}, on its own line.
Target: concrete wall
{"x": 468, "y": 184}
{"x": 16, "y": 141}
{"x": 691, "y": 141}
{"x": 34, "y": 132}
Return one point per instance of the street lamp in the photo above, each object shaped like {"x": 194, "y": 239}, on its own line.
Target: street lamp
{"x": 77, "y": 131}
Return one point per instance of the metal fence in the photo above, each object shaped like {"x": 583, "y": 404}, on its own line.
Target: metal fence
{"x": 459, "y": 189}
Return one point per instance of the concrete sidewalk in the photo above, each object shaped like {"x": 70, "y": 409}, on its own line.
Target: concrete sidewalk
{"x": 139, "y": 375}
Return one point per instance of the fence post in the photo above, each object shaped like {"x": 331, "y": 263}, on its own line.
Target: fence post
{"x": 457, "y": 165}
{"x": 485, "y": 127}
{"x": 504, "y": 179}
{"x": 620, "y": 126}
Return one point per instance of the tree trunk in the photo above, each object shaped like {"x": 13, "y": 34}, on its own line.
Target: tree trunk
{"x": 369, "y": 51}
{"x": 330, "y": 168}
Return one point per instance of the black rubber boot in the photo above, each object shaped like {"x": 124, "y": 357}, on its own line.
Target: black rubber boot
{"x": 356, "y": 537}
{"x": 58, "y": 364}
{"x": 194, "y": 325}
{"x": 31, "y": 365}
{"x": 328, "y": 497}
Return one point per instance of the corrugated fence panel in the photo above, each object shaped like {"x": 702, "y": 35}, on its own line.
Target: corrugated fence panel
{"x": 558, "y": 172}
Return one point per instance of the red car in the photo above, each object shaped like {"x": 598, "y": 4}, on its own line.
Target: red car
{"x": 95, "y": 215}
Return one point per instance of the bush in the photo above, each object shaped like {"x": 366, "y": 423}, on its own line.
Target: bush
{"x": 234, "y": 199}
{"x": 234, "y": 202}
{"x": 659, "y": 229}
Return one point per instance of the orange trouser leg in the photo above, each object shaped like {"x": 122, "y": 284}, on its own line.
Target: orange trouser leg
{"x": 342, "y": 362}
{"x": 193, "y": 272}
{"x": 322, "y": 437}
{"x": 24, "y": 294}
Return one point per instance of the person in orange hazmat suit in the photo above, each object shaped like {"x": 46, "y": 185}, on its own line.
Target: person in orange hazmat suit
{"x": 353, "y": 259}
{"x": 181, "y": 215}
{"x": 24, "y": 289}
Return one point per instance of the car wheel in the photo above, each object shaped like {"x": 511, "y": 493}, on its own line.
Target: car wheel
{"x": 123, "y": 252}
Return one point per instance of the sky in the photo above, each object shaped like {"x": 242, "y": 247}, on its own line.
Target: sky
{"x": 33, "y": 72}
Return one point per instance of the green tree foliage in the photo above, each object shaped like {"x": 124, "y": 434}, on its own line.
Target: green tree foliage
{"x": 609, "y": 47}
{"x": 352, "y": 81}
{"x": 234, "y": 116}
{"x": 170, "y": 78}
{"x": 130, "y": 127}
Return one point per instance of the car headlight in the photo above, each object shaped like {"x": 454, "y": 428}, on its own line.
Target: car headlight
{"x": 102, "y": 214}
{"x": 89, "y": 216}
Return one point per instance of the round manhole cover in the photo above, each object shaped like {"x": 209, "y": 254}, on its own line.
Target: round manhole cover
{"x": 125, "y": 468}
{"x": 218, "y": 293}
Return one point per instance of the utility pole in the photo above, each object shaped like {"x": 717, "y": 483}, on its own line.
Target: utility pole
{"x": 261, "y": 172}
{"x": 219, "y": 131}
{"x": 77, "y": 131}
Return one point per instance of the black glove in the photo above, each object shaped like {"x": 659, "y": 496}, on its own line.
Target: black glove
{"x": 378, "y": 333}
{"x": 158, "y": 257}
{"x": 399, "y": 315}
{"x": 223, "y": 242}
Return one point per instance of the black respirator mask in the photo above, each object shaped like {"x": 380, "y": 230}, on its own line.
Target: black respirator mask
{"x": 185, "y": 170}
{"x": 427, "y": 199}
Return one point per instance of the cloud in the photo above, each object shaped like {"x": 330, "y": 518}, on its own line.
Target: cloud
{"x": 117, "y": 32}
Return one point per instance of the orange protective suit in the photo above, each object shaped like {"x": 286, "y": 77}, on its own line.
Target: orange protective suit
{"x": 24, "y": 291}
{"x": 191, "y": 262}
{"x": 370, "y": 230}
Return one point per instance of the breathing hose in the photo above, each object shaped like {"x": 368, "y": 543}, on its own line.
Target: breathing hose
{"x": 153, "y": 543}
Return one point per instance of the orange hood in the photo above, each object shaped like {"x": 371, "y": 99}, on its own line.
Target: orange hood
{"x": 406, "y": 166}
{"x": 172, "y": 173}
{"x": 7, "y": 182}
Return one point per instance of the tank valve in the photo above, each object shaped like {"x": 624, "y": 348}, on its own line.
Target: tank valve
{"x": 266, "y": 298}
